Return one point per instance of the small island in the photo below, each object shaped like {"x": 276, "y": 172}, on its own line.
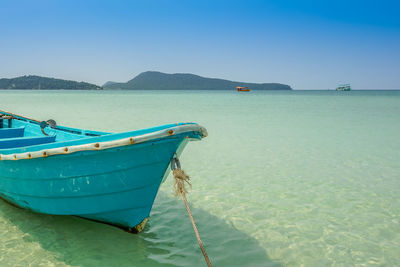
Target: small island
{"x": 32, "y": 82}
{"x": 153, "y": 80}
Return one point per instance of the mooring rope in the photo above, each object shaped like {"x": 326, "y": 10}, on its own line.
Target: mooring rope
{"x": 180, "y": 179}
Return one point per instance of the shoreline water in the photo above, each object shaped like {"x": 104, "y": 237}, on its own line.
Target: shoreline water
{"x": 284, "y": 179}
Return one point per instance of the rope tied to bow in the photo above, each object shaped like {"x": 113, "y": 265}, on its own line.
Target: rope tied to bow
{"x": 180, "y": 190}
{"x": 180, "y": 177}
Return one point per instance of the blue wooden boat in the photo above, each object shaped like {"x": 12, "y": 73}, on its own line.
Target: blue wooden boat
{"x": 107, "y": 177}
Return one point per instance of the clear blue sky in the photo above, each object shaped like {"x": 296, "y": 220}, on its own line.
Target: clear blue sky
{"x": 306, "y": 44}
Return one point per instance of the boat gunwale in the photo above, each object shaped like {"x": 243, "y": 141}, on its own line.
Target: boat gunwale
{"x": 103, "y": 145}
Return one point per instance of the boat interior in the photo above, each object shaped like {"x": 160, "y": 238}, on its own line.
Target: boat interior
{"x": 19, "y": 134}
{"x": 14, "y": 137}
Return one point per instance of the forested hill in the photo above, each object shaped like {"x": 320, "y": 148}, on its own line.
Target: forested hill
{"x": 44, "y": 83}
{"x": 152, "y": 80}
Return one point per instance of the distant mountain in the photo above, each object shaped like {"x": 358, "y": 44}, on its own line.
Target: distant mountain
{"x": 153, "y": 80}
{"x": 108, "y": 83}
{"x": 44, "y": 83}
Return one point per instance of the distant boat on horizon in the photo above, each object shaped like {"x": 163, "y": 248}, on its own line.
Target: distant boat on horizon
{"x": 242, "y": 89}
{"x": 343, "y": 87}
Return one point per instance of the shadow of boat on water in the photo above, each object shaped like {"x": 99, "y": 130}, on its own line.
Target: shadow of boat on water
{"x": 168, "y": 239}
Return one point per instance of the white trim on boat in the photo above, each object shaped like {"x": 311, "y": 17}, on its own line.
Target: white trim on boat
{"x": 108, "y": 144}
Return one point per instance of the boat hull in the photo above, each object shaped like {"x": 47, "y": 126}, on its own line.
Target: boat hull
{"x": 116, "y": 186}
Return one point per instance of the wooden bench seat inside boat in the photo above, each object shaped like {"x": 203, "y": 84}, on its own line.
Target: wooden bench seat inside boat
{"x": 25, "y": 141}
{"x": 11, "y": 132}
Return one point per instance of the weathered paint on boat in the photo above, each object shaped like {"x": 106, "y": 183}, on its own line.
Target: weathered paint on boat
{"x": 108, "y": 177}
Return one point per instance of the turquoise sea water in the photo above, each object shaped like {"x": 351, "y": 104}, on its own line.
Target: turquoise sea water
{"x": 307, "y": 178}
